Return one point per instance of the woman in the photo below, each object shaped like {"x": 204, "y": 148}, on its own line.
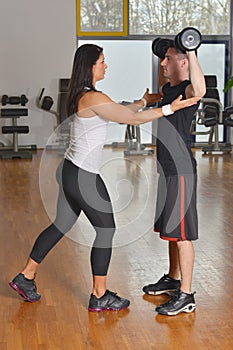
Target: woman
{"x": 81, "y": 187}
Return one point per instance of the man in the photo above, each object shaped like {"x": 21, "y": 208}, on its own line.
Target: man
{"x": 176, "y": 214}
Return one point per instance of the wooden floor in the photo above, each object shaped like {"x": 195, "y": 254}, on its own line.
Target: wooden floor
{"x": 60, "y": 320}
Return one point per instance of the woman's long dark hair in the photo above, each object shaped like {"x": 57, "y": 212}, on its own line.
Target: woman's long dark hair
{"x": 81, "y": 77}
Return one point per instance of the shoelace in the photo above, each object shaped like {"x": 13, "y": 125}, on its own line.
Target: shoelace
{"x": 113, "y": 293}
{"x": 163, "y": 278}
{"x": 173, "y": 297}
{"x": 177, "y": 294}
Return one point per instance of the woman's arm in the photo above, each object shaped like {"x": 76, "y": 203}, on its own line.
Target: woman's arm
{"x": 108, "y": 109}
{"x": 94, "y": 98}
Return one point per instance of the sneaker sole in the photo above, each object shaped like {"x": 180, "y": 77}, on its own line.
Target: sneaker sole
{"x": 21, "y": 292}
{"x": 106, "y": 309}
{"x": 187, "y": 308}
{"x": 168, "y": 292}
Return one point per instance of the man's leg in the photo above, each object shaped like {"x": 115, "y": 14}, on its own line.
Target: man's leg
{"x": 174, "y": 262}
{"x": 171, "y": 282}
{"x": 182, "y": 300}
{"x": 186, "y": 259}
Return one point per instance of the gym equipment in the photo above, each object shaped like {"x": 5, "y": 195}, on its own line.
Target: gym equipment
{"x": 212, "y": 114}
{"x": 133, "y": 140}
{"x": 228, "y": 116}
{"x": 46, "y": 104}
{"x": 160, "y": 46}
{"x": 189, "y": 39}
{"x": 209, "y": 115}
{"x": 135, "y": 148}
{"x": 15, "y": 151}
{"x": 14, "y": 100}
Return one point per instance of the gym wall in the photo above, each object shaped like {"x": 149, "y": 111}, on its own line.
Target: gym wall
{"x": 38, "y": 40}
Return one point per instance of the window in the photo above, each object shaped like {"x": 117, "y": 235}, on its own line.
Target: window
{"x": 102, "y": 17}
{"x": 151, "y": 17}
{"x": 168, "y": 17}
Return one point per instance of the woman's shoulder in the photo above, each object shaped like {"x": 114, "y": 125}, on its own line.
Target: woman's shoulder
{"x": 95, "y": 98}
{"x": 91, "y": 99}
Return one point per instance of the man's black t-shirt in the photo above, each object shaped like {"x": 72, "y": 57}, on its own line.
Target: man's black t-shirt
{"x": 174, "y": 153}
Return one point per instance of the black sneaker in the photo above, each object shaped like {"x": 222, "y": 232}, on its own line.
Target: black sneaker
{"x": 179, "y": 302}
{"x": 166, "y": 285}
{"x": 25, "y": 287}
{"x": 109, "y": 301}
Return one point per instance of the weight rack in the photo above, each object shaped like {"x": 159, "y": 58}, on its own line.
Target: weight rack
{"x": 15, "y": 150}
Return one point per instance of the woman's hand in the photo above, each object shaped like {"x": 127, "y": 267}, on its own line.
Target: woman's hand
{"x": 151, "y": 98}
{"x": 179, "y": 104}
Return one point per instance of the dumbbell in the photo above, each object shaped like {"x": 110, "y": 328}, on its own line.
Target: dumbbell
{"x": 14, "y": 100}
{"x": 189, "y": 39}
{"x": 160, "y": 46}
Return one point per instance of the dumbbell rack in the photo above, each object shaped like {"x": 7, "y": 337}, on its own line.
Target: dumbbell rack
{"x": 15, "y": 150}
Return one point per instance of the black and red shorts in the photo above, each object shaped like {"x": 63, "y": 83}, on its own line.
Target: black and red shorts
{"x": 176, "y": 212}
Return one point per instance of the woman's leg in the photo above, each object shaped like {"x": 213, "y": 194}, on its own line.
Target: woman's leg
{"x": 30, "y": 268}
{"x": 99, "y": 285}
{"x": 65, "y": 219}
{"x": 89, "y": 191}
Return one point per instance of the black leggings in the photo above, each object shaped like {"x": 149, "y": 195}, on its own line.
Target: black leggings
{"x": 80, "y": 190}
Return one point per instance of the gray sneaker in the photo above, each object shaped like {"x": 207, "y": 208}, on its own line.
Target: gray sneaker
{"x": 109, "y": 301}
{"x": 25, "y": 288}
{"x": 166, "y": 285}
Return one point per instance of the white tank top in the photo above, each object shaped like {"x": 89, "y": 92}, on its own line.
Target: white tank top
{"x": 87, "y": 139}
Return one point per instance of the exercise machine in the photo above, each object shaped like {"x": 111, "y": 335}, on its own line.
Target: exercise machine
{"x": 211, "y": 114}
{"x": 15, "y": 150}
{"x": 132, "y": 140}
{"x": 63, "y": 125}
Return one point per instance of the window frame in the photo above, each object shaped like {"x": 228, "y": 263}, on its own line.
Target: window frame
{"x": 123, "y": 33}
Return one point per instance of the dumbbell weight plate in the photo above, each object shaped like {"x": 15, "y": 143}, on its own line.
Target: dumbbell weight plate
{"x": 154, "y": 46}
{"x": 160, "y": 46}
{"x": 23, "y": 100}
{"x": 5, "y": 100}
{"x": 178, "y": 44}
{"x": 190, "y": 38}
